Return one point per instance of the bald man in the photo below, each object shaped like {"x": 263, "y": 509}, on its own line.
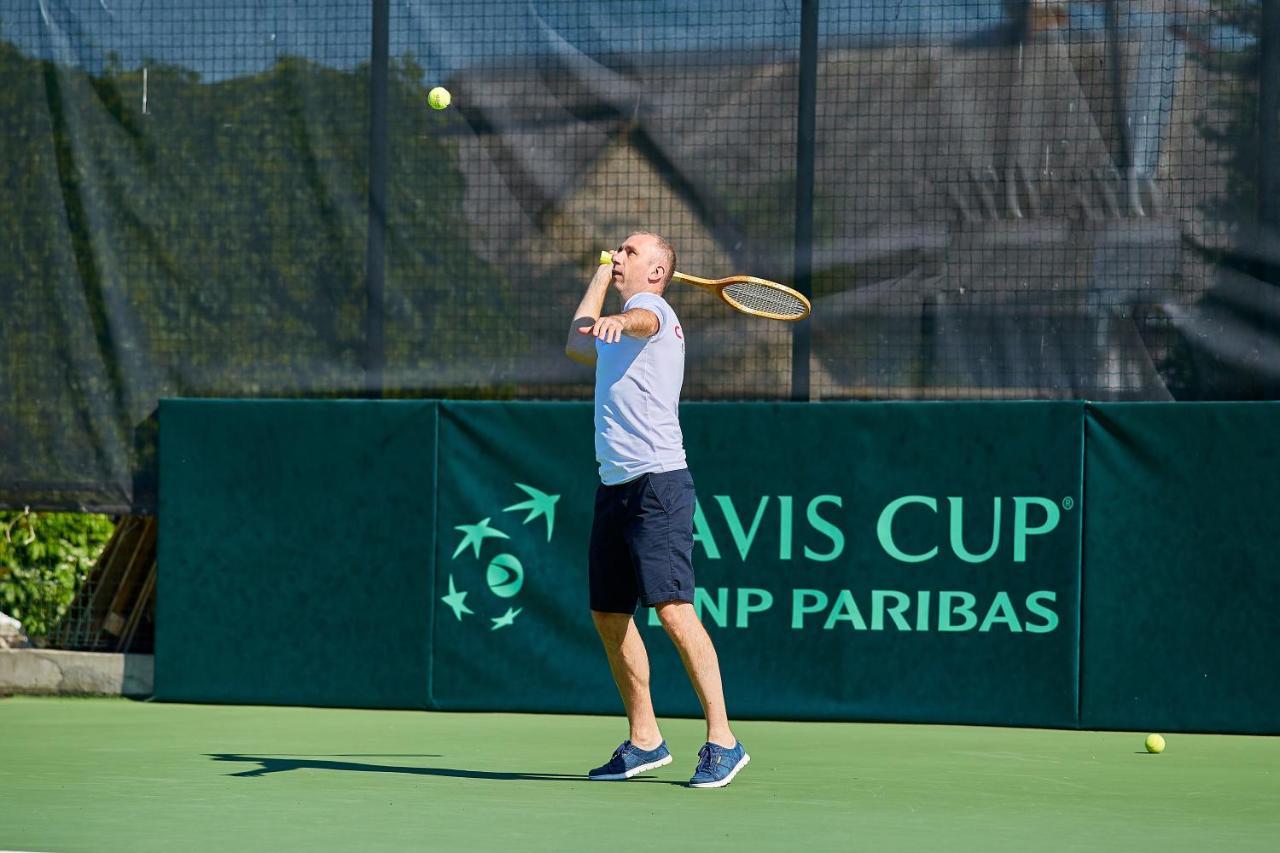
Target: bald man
{"x": 642, "y": 536}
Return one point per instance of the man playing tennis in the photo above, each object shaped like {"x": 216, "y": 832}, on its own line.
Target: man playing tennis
{"x": 642, "y": 536}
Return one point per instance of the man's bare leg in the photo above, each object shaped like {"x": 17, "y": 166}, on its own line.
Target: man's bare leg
{"x": 629, "y": 662}
{"x": 702, "y": 664}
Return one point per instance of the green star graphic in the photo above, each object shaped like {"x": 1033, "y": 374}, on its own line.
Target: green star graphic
{"x": 539, "y": 503}
{"x": 506, "y": 619}
{"x": 476, "y": 534}
{"x": 455, "y": 600}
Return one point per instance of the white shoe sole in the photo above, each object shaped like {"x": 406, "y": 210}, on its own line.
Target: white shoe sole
{"x": 726, "y": 780}
{"x": 634, "y": 771}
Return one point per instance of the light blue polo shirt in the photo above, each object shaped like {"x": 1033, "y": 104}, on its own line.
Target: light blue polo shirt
{"x": 638, "y": 384}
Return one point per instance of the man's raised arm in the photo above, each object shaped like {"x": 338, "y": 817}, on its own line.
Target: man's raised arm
{"x": 581, "y": 344}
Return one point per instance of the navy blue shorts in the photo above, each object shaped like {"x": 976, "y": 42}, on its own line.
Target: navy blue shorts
{"x": 642, "y": 542}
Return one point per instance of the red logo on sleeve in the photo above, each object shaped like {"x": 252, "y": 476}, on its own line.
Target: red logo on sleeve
{"x": 679, "y": 334}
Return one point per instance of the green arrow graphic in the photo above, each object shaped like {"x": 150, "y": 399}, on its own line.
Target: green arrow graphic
{"x": 506, "y": 619}
{"x": 455, "y": 600}
{"x": 475, "y": 535}
{"x": 539, "y": 503}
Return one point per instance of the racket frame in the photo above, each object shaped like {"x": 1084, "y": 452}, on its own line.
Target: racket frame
{"x": 718, "y": 285}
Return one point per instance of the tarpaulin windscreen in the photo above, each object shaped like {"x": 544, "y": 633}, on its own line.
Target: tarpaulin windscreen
{"x": 984, "y": 199}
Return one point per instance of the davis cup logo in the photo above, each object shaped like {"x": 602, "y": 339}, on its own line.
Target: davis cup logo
{"x": 505, "y": 575}
{"x": 494, "y": 580}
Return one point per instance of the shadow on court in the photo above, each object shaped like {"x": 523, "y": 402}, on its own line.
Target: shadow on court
{"x": 284, "y": 763}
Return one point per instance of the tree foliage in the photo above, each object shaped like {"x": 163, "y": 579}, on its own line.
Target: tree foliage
{"x": 214, "y": 244}
{"x": 44, "y": 557}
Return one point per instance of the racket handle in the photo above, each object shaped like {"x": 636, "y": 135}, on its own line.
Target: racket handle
{"x": 606, "y": 257}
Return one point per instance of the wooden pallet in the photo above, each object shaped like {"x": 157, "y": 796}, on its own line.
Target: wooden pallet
{"x": 119, "y": 594}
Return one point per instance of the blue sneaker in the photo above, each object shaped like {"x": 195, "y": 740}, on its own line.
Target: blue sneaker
{"x": 717, "y": 766}
{"x": 629, "y": 760}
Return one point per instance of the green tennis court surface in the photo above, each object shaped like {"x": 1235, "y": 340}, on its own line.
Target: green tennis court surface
{"x": 110, "y": 774}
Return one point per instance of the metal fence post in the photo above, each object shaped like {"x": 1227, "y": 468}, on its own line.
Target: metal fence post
{"x": 805, "y": 137}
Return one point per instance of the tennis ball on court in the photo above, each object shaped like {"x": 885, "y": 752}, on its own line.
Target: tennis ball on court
{"x": 505, "y": 575}
{"x": 439, "y": 98}
{"x": 1154, "y": 743}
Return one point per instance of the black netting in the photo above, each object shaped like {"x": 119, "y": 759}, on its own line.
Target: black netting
{"x": 1009, "y": 200}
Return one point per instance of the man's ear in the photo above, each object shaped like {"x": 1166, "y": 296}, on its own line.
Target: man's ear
{"x": 657, "y": 273}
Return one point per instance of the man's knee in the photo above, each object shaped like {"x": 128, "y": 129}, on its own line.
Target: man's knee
{"x": 611, "y": 626}
{"x": 675, "y": 615}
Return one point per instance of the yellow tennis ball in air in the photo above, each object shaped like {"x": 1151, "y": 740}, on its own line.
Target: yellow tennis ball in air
{"x": 439, "y": 98}
{"x": 1155, "y": 743}
{"x": 606, "y": 257}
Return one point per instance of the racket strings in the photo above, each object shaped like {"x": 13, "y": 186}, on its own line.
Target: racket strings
{"x": 761, "y": 298}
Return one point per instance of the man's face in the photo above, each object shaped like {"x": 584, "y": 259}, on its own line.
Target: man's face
{"x": 634, "y": 263}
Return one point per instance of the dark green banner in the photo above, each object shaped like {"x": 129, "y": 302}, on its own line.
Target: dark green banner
{"x": 991, "y": 563}
{"x": 864, "y": 561}
{"x": 512, "y": 627}
{"x": 295, "y": 552}
{"x": 1181, "y": 585}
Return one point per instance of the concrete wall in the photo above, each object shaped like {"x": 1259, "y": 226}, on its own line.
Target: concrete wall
{"x": 75, "y": 673}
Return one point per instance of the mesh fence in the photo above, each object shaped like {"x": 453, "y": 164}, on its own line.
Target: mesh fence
{"x": 1008, "y": 200}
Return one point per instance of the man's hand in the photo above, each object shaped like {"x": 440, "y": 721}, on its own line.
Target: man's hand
{"x": 636, "y": 323}
{"x": 608, "y": 329}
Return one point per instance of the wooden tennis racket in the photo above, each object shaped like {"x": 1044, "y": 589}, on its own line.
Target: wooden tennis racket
{"x": 758, "y": 297}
